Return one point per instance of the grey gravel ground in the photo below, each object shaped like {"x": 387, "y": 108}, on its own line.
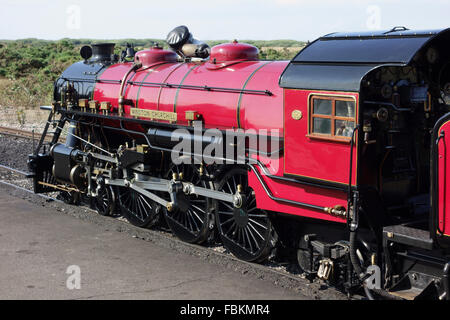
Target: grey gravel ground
{"x": 39, "y": 245}
{"x": 14, "y": 151}
{"x": 281, "y": 275}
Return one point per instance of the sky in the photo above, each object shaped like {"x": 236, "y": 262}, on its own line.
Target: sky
{"x": 214, "y": 20}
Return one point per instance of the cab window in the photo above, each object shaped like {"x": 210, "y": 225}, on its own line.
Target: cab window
{"x": 332, "y": 117}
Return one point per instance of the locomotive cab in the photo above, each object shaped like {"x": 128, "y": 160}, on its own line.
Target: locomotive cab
{"x": 396, "y": 158}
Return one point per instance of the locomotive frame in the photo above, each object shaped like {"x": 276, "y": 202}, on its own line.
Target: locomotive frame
{"x": 361, "y": 210}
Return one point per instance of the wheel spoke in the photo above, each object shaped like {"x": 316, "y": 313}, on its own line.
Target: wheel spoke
{"x": 191, "y": 220}
{"x": 226, "y": 213}
{"x": 199, "y": 209}
{"x": 227, "y": 205}
{"x": 188, "y": 221}
{"x": 248, "y": 238}
{"x": 239, "y": 240}
{"x": 229, "y": 187}
{"x": 253, "y": 237}
{"x": 142, "y": 207}
{"x": 225, "y": 222}
{"x": 138, "y": 208}
{"x": 259, "y": 234}
{"x": 257, "y": 223}
{"x": 252, "y": 209}
{"x": 146, "y": 202}
{"x": 195, "y": 213}
{"x": 232, "y": 228}
{"x": 256, "y": 216}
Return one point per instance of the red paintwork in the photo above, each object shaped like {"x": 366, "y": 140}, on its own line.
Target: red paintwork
{"x": 219, "y": 109}
{"x": 317, "y": 159}
{"x": 444, "y": 180}
{"x": 155, "y": 55}
{"x": 233, "y": 52}
{"x": 321, "y": 159}
{"x": 300, "y": 193}
{"x": 109, "y": 91}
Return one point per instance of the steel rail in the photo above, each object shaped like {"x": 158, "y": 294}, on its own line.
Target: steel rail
{"x": 19, "y": 133}
{"x": 26, "y": 174}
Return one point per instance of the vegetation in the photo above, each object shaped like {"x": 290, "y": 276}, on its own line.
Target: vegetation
{"x": 28, "y": 67}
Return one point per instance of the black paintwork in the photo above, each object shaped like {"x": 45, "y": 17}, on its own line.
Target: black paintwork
{"x": 339, "y": 62}
{"x": 83, "y": 76}
{"x": 62, "y": 157}
{"x": 103, "y": 52}
{"x": 378, "y": 49}
{"x": 324, "y": 77}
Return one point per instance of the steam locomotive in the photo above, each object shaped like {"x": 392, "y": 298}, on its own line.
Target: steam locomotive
{"x": 338, "y": 156}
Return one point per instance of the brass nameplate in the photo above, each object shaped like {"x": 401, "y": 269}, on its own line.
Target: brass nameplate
{"x": 153, "y": 114}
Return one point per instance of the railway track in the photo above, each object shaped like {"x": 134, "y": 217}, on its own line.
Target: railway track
{"x": 19, "y": 133}
{"x": 25, "y": 175}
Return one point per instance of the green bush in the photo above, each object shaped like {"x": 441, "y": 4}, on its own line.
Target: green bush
{"x": 30, "y": 67}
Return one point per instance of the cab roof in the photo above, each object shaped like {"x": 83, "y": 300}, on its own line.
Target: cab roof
{"x": 339, "y": 61}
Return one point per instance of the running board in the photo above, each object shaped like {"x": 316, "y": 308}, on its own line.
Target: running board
{"x": 409, "y": 236}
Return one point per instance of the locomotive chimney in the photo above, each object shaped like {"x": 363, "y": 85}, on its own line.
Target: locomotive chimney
{"x": 103, "y": 52}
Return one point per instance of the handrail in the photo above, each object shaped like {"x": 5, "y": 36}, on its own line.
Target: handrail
{"x": 172, "y": 85}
